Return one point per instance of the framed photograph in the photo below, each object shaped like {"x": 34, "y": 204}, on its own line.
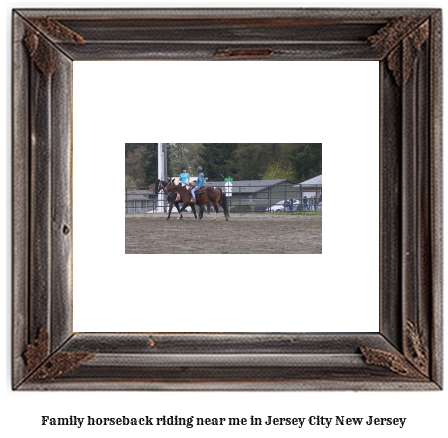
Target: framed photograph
{"x": 404, "y": 354}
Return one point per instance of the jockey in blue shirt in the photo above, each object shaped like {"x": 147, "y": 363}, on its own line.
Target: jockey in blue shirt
{"x": 200, "y": 182}
{"x": 184, "y": 176}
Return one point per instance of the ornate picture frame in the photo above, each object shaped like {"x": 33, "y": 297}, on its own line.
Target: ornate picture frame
{"x": 406, "y": 353}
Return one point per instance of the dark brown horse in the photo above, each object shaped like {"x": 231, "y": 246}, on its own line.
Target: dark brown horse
{"x": 171, "y": 197}
{"x": 210, "y": 194}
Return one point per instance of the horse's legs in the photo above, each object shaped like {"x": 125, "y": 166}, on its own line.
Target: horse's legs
{"x": 213, "y": 201}
{"x": 215, "y": 206}
{"x": 170, "y": 207}
{"x": 222, "y": 205}
{"x": 201, "y": 211}
{"x": 177, "y": 206}
{"x": 181, "y": 210}
{"x": 194, "y": 210}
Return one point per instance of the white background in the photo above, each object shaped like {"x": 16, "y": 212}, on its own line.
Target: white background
{"x": 425, "y": 412}
{"x": 333, "y": 103}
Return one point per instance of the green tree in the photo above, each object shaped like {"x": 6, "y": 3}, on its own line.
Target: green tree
{"x": 128, "y": 181}
{"x": 179, "y": 155}
{"x": 130, "y": 147}
{"x": 278, "y": 170}
{"x": 133, "y": 161}
{"x": 149, "y": 163}
{"x": 216, "y": 160}
{"x": 253, "y": 159}
{"x": 306, "y": 160}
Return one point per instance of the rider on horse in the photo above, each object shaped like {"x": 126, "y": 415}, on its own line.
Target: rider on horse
{"x": 184, "y": 177}
{"x": 200, "y": 182}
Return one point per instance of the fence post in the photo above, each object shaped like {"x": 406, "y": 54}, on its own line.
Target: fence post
{"x": 285, "y": 198}
{"x": 126, "y": 201}
{"x": 239, "y": 194}
{"x": 269, "y": 198}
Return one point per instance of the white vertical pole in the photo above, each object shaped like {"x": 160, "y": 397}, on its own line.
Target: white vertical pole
{"x": 160, "y": 173}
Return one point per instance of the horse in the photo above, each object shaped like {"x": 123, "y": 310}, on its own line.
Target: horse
{"x": 171, "y": 196}
{"x": 211, "y": 194}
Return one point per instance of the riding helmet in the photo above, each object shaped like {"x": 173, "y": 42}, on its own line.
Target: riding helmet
{"x": 199, "y": 169}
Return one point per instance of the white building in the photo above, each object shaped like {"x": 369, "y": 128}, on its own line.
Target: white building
{"x": 310, "y": 188}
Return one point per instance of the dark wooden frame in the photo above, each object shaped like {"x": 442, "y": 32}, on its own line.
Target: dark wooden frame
{"x": 406, "y": 354}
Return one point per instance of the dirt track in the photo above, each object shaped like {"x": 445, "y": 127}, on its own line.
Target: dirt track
{"x": 242, "y": 234}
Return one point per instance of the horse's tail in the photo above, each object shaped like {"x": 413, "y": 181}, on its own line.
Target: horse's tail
{"x": 224, "y": 205}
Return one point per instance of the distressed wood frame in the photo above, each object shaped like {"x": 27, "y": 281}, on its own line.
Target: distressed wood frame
{"x": 406, "y": 354}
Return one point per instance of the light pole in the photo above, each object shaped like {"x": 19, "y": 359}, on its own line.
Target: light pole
{"x": 161, "y": 173}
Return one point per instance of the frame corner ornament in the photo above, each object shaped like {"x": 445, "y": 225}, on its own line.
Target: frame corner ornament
{"x": 395, "y": 362}
{"x": 37, "y": 351}
{"x": 401, "y": 39}
{"x": 40, "y": 49}
{"x": 41, "y": 366}
{"x": 418, "y": 350}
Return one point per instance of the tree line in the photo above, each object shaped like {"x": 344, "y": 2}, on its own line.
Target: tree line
{"x": 241, "y": 161}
